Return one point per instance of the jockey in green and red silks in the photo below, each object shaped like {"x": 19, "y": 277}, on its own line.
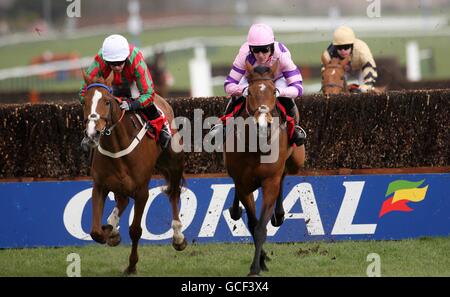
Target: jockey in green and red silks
{"x": 127, "y": 63}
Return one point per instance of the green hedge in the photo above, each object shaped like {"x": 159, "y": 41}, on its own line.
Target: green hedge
{"x": 393, "y": 130}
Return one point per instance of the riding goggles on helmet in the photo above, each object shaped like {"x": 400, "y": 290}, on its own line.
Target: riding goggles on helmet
{"x": 260, "y": 49}
{"x": 343, "y": 46}
{"x": 117, "y": 63}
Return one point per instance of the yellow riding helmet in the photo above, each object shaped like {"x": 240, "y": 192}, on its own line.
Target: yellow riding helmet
{"x": 343, "y": 35}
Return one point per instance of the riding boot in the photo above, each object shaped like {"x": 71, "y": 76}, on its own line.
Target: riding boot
{"x": 299, "y": 135}
{"x": 164, "y": 135}
{"x": 217, "y": 128}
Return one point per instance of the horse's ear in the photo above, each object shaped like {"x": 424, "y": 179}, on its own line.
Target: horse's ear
{"x": 324, "y": 59}
{"x": 248, "y": 67}
{"x": 274, "y": 67}
{"x": 109, "y": 79}
{"x": 86, "y": 78}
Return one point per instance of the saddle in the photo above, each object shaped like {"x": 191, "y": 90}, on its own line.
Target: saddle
{"x": 154, "y": 126}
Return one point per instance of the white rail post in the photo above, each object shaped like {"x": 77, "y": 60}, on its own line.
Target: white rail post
{"x": 413, "y": 72}
{"x": 200, "y": 74}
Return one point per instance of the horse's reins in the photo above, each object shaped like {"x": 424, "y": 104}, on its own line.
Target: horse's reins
{"x": 106, "y": 131}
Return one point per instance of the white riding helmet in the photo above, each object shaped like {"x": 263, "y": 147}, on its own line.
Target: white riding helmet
{"x": 115, "y": 48}
{"x": 343, "y": 35}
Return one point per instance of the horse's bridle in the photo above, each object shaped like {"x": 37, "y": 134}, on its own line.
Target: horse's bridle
{"x": 263, "y": 108}
{"x": 94, "y": 117}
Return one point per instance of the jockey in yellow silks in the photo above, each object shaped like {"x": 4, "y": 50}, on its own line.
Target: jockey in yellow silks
{"x": 346, "y": 44}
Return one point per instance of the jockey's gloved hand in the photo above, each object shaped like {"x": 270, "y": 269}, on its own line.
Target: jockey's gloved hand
{"x": 366, "y": 88}
{"x": 130, "y": 104}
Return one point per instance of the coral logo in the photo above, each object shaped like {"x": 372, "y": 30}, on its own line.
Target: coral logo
{"x": 400, "y": 192}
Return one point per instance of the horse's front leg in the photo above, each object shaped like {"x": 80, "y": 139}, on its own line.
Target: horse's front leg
{"x": 270, "y": 191}
{"x": 135, "y": 229}
{"x": 111, "y": 229}
{"x": 278, "y": 216}
{"x": 98, "y": 202}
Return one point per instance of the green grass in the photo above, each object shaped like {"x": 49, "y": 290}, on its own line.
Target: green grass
{"x": 419, "y": 257}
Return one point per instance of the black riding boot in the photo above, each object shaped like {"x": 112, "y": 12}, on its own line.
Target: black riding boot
{"x": 234, "y": 101}
{"x": 164, "y": 134}
{"x": 299, "y": 136}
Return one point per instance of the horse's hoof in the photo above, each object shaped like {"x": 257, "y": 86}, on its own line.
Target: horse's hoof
{"x": 253, "y": 274}
{"x": 107, "y": 228}
{"x": 114, "y": 240}
{"x": 235, "y": 215}
{"x": 130, "y": 271}
{"x": 98, "y": 237}
{"x": 277, "y": 221}
{"x": 179, "y": 246}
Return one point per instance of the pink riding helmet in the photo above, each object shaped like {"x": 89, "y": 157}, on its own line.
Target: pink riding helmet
{"x": 260, "y": 34}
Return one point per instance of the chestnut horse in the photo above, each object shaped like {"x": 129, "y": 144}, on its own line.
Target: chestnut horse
{"x": 333, "y": 77}
{"x": 246, "y": 167}
{"x": 124, "y": 159}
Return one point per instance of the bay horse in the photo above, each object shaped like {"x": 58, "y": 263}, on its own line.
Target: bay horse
{"x": 123, "y": 161}
{"x": 248, "y": 171}
{"x": 333, "y": 77}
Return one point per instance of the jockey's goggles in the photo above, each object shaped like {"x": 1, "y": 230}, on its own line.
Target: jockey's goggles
{"x": 343, "y": 46}
{"x": 260, "y": 49}
{"x": 117, "y": 63}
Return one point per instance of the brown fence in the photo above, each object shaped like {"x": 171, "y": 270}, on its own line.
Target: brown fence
{"x": 393, "y": 130}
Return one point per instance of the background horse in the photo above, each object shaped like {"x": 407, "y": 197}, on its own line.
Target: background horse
{"x": 123, "y": 165}
{"x": 333, "y": 77}
{"x": 160, "y": 74}
{"x": 247, "y": 170}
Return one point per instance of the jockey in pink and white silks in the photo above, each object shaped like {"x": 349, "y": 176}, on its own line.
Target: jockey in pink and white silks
{"x": 261, "y": 49}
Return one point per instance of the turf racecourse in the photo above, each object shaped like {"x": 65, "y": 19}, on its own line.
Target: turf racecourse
{"x": 418, "y": 257}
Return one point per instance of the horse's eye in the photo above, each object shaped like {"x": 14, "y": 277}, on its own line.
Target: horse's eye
{"x": 108, "y": 102}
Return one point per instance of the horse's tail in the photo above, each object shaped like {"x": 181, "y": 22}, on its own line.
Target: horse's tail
{"x": 171, "y": 166}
